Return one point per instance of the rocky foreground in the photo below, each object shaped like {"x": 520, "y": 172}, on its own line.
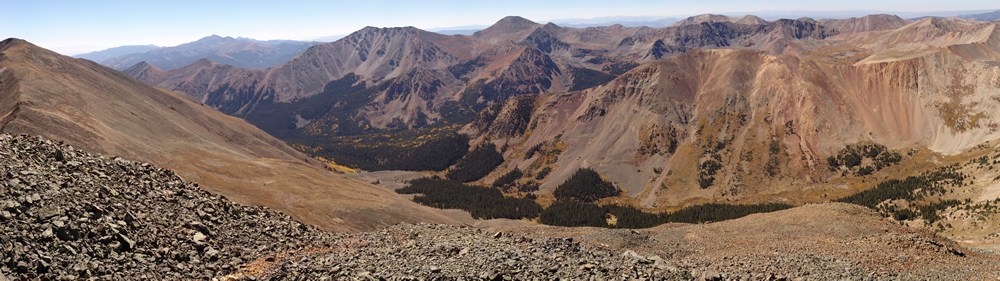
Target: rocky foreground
{"x": 67, "y": 214}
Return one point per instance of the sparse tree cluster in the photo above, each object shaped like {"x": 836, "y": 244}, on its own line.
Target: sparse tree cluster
{"x": 910, "y": 188}
{"x": 707, "y": 170}
{"x": 852, "y": 158}
{"x": 913, "y": 189}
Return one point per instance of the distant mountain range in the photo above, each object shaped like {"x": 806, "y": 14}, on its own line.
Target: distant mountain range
{"x": 111, "y": 53}
{"x": 239, "y": 52}
{"x": 609, "y": 21}
{"x": 990, "y": 16}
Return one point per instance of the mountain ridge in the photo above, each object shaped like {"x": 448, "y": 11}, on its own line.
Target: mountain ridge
{"x": 90, "y": 106}
{"x": 241, "y": 52}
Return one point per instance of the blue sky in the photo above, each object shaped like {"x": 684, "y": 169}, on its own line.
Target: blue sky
{"x": 76, "y": 26}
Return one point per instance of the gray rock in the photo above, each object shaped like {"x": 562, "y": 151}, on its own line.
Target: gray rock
{"x": 117, "y": 219}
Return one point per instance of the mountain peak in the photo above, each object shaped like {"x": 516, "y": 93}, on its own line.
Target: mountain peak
{"x": 507, "y": 25}
{"x": 710, "y": 18}
{"x": 514, "y": 21}
{"x": 751, "y": 20}
{"x": 143, "y": 69}
{"x": 390, "y": 30}
{"x": 142, "y": 64}
{"x": 698, "y": 19}
{"x": 12, "y": 42}
{"x": 942, "y": 24}
{"x": 214, "y": 38}
{"x": 26, "y": 49}
{"x": 806, "y": 19}
{"x": 865, "y": 23}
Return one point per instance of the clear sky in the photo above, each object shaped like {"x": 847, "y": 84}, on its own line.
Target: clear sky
{"x": 75, "y": 26}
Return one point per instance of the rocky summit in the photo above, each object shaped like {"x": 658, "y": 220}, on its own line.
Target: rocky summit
{"x": 68, "y": 214}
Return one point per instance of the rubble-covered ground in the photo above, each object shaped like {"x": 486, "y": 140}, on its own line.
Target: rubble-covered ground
{"x": 67, "y": 214}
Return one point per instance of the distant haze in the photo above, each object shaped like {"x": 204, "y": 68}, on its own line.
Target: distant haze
{"x": 74, "y": 27}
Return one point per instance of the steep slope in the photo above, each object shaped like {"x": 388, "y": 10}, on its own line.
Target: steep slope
{"x": 775, "y": 37}
{"x": 742, "y": 125}
{"x": 376, "y": 80}
{"x": 240, "y": 52}
{"x": 198, "y": 78}
{"x": 404, "y": 83}
{"x": 93, "y": 107}
{"x": 373, "y": 53}
{"x": 570, "y": 58}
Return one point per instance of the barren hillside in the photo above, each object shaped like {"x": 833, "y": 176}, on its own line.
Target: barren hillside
{"x": 93, "y": 107}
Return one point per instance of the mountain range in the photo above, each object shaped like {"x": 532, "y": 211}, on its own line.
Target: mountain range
{"x": 96, "y": 108}
{"x": 107, "y": 54}
{"x": 710, "y": 109}
{"x": 239, "y": 52}
{"x": 878, "y": 134}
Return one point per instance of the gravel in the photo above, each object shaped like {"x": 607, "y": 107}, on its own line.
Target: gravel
{"x": 66, "y": 214}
